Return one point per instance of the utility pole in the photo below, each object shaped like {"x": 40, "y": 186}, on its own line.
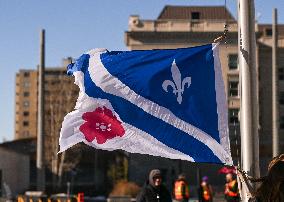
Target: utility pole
{"x": 249, "y": 89}
{"x": 275, "y": 113}
{"x": 40, "y": 117}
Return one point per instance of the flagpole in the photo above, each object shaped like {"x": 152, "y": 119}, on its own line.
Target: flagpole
{"x": 275, "y": 113}
{"x": 249, "y": 89}
{"x": 40, "y": 115}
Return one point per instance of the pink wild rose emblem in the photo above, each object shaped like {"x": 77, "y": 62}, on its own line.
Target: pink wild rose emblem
{"x": 101, "y": 125}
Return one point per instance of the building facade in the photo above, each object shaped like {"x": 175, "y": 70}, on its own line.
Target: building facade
{"x": 56, "y": 85}
{"x": 26, "y": 104}
{"x": 60, "y": 95}
{"x": 182, "y": 26}
{"x": 17, "y": 170}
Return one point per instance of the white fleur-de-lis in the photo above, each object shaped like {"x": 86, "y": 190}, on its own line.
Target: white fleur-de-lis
{"x": 177, "y": 84}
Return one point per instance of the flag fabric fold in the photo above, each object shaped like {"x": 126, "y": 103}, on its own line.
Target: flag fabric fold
{"x": 168, "y": 103}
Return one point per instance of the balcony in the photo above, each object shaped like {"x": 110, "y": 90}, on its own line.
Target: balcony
{"x": 135, "y": 24}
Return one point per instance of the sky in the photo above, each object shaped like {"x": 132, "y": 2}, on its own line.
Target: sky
{"x": 74, "y": 27}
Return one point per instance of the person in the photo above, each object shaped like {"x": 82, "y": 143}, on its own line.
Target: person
{"x": 272, "y": 186}
{"x": 231, "y": 189}
{"x": 154, "y": 190}
{"x": 181, "y": 190}
{"x": 206, "y": 191}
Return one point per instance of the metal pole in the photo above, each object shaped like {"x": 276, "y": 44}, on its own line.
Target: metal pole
{"x": 249, "y": 89}
{"x": 40, "y": 117}
{"x": 254, "y": 92}
{"x": 68, "y": 190}
{"x": 198, "y": 177}
{"x": 275, "y": 113}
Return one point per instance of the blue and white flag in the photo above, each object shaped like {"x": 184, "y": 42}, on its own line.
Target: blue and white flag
{"x": 168, "y": 103}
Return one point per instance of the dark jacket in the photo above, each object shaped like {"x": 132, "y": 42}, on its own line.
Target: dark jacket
{"x": 151, "y": 193}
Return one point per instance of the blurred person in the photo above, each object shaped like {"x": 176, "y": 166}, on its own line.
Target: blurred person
{"x": 272, "y": 186}
{"x": 181, "y": 189}
{"x": 231, "y": 189}
{"x": 154, "y": 190}
{"x": 205, "y": 191}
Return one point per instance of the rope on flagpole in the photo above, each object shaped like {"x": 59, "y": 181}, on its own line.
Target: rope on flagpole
{"x": 223, "y": 37}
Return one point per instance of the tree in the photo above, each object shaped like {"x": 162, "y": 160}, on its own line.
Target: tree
{"x": 60, "y": 97}
{"x": 118, "y": 169}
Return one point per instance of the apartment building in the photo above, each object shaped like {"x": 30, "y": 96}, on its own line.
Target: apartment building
{"x": 187, "y": 26}
{"x": 59, "y": 91}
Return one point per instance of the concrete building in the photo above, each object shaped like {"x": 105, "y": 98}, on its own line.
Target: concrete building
{"x": 14, "y": 173}
{"x": 60, "y": 95}
{"x": 87, "y": 169}
{"x": 183, "y": 26}
{"x": 26, "y": 104}
{"x": 56, "y": 85}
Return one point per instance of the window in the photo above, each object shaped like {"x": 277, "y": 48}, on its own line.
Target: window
{"x": 26, "y": 103}
{"x": 26, "y": 113}
{"x": 25, "y": 123}
{"x": 281, "y": 122}
{"x": 268, "y": 32}
{"x": 26, "y": 84}
{"x": 195, "y": 15}
{"x": 26, "y": 74}
{"x": 25, "y": 133}
{"x": 233, "y": 89}
{"x": 26, "y": 94}
{"x": 233, "y": 116}
{"x": 233, "y": 61}
{"x": 281, "y": 98}
{"x": 281, "y": 73}
{"x": 55, "y": 82}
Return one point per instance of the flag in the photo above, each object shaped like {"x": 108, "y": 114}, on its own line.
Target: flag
{"x": 227, "y": 169}
{"x": 169, "y": 103}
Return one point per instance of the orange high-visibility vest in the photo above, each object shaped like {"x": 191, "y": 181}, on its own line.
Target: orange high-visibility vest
{"x": 231, "y": 185}
{"x": 178, "y": 190}
{"x": 80, "y": 197}
{"x": 206, "y": 193}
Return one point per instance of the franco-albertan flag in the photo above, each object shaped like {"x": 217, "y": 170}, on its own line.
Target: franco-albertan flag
{"x": 168, "y": 103}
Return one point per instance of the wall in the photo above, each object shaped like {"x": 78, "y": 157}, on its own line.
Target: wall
{"x": 15, "y": 171}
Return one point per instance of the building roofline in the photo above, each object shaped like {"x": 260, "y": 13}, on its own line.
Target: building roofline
{"x": 267, "y": 24}
{"x": 14, "y": 151}
{"x": 13, "y": 145}
{"x": 229, "y": 17}
{"x": 17, "y": 140}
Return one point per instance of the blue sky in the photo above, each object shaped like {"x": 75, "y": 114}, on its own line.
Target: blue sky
{"x": 72, "y": 28}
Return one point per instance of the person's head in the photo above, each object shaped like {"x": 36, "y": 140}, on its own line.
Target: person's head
{"x": 155, "y": 178}
{"x": 275, "y": 160}
{"x": 272, "y": 188}
{"x": 205, "y": 179}
{"x": 181, "y": 176}
{"x": 229, "y": 177}
{"x": 276, "y": 172}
